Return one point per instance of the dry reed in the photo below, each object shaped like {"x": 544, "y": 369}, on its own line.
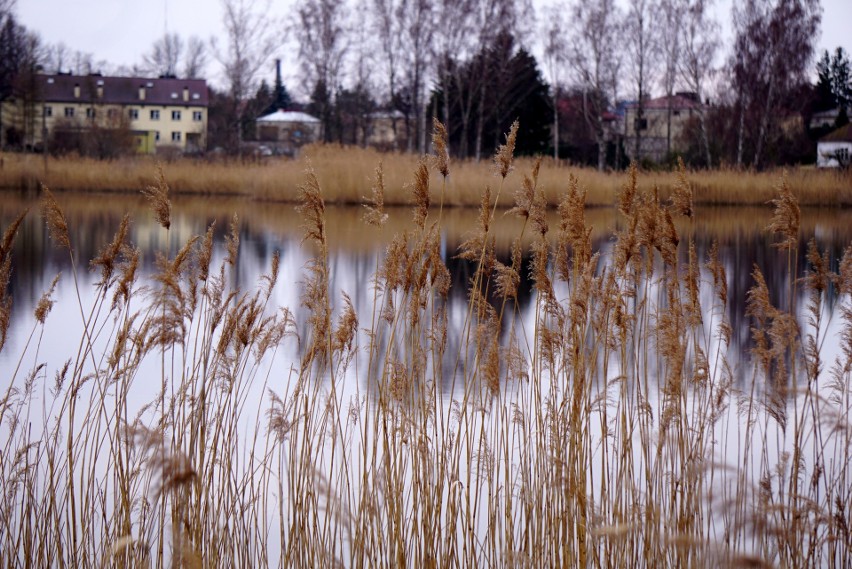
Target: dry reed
{"x": 347, "y": 172}
{"x": 603, "y": 429}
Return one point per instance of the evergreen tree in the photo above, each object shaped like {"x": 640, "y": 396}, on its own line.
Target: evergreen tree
{"x": 513, "y": 89}
{"x": 825, "y": 99}
{"x": 834, "y": 81}
{"x": 841, "y": 81}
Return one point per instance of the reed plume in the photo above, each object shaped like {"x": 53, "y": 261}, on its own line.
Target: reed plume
{"x": 682, "y": 200}
{"x": 439, "y": 145}
{"x": 56, "y": 222}
{"x": 158, "y": 196}
{"x": 506, "y": 152}
{"x": 6, "y": 275}
{"x": 420, "y": 193}
{"x": 46, "y": 302}
{"x": 108, "y": 257}
{"x": 375, "y": 205}
{"x": 786, "y": 217}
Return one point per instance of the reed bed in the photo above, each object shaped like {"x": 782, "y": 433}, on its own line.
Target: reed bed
{"x": 345, "y": 174}
{"x": 606, "y": 432}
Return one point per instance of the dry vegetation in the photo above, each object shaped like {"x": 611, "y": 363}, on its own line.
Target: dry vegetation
{"x": 346, "y": 173}
{"x": 608, "y": 434}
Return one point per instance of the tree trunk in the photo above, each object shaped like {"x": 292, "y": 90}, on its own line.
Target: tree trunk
{"x": 764, "y": 124}
{"x": 555, "y": 124}
{"x": 740, "y": 135}
{"x": 480, "y": 119}
{"x": 704, "y": 138}
{"x": 668, "y": 124}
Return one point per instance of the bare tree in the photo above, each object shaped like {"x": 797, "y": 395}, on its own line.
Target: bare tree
{"x": 164, "y": 55}
{"x": 387, "y": 22}
{"x": 195, "y": 58}
{"x": 772, "y": 50}
{"x": 642, "y": 53}
{"x": 494, "y": 18}
{"x": 417, "y": 34}
{"x": 553, "y": 34}
{"x": 700, "y": 42}
{"x": 595, "y": 58}
{"x": 322, "y": 35}
{"x": 669, "y": 23}
{"x": 362, "y": 79}
{"x": 252, "y": 41}
{"x": 452, "y": 42}
{"x": 56, "y": 57}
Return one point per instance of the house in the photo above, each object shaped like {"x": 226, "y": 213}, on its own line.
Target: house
{"x": 386, "y": 130}
{"x": 158, "y": 113}
{"x": 656, "y": 141}
{"x": 824, "y": 119}
{"x": 834, "y": 150}
{"x": 285, "y": 132}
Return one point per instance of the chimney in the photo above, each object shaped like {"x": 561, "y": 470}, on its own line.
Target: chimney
{"x": 76, "y": 90}
{"x": 142, "y": 92}
{"x": 279, "y": 88}
{"x": 186, "y": 93}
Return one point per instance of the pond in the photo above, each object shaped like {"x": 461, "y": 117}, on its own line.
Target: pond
{"x": 478, "y": 451}
{"x": 354, "y": 248}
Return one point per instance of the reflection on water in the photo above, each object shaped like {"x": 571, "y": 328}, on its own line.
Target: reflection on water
{"x": 355, "y": 249}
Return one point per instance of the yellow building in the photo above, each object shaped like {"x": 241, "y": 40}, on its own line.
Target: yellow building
{"x": 157, "y": 113}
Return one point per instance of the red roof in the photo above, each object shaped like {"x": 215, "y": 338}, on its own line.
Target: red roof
{"x": 123, "y": 90}
{"x": 678, "y": 102}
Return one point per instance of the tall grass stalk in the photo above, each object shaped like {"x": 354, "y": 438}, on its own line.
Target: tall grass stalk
{"x": 200, "y": 425}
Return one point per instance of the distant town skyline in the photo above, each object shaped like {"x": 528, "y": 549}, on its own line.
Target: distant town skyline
{"x": 121, "y": 32}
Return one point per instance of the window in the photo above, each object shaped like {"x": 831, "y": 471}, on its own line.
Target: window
{"x": 155, "y": 115}
{"x": 175, "y": 115}
{"x": 641, "y": 124}
{"x": 157, "y": 136}
{"x": 90, "y": 113}
{"x": 69, "y": 112}
{"x": 48, "y": 111}
{"x": 133, "y": 114}
{"x": 176, "y": 136}
{"x": 197, "y": 116}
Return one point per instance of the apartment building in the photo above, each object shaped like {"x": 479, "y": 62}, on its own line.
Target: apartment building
{"x": 159, "y": 113}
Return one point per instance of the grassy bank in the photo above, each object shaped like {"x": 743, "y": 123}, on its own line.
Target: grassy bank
{"x": 346, "y": 175}
{"x": 605, "y": 431}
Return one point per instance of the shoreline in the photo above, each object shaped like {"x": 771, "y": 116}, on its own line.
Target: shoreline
{"x": 346, "y": 176}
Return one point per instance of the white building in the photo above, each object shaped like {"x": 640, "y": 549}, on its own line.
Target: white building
{"x": 834, "y": 150}
{"x": 285, "y": 132}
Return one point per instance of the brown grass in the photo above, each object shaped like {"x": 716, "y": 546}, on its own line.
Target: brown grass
{"x": 347, "y": 175}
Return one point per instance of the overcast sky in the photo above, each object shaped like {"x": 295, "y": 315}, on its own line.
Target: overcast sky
{"x": 122, "y": 31}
